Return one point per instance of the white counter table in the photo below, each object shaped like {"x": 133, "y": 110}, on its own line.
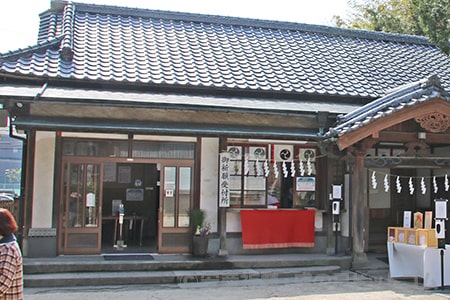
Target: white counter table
{"x": 411, "y": 261}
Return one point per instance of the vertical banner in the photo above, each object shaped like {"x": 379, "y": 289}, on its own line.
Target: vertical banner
{"x": 224, "y": 179}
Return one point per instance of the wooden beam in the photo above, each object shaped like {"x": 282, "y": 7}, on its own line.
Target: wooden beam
{"x": 436, "y": 105}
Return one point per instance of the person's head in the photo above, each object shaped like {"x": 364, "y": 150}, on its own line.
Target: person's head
{"x": 7, "y": 223}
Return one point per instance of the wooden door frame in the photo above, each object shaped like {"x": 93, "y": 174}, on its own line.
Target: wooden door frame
{"x": 62, "y": 229}
{"x": 185, "y": 231}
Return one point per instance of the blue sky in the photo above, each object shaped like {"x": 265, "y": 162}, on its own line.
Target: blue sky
{"x": 19, "y": 20}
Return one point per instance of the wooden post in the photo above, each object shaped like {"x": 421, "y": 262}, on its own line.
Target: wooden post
{"x": 358, "y": 209}
{"x": 222, "y": 213}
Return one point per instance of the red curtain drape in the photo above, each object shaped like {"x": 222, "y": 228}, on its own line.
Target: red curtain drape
{"x": 277, "y": 228}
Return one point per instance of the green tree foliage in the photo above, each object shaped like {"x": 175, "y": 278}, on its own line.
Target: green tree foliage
{"x": 430, "y": 18}
{"x": 13, "y": 175}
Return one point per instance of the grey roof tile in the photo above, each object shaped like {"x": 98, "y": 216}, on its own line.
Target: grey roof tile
{"x": 123, "y": 45}
{"x": 405, "y": 96}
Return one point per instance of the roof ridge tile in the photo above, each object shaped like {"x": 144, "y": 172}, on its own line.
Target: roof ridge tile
{"x": 66, "y": 51}
{"x": 248, "y": 22}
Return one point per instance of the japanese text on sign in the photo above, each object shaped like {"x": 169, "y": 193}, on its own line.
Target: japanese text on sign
{"x": 224, "y": 180}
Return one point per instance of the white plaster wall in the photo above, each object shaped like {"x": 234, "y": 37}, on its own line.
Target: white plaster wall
{"x": 234, "y": 221}
{"x": 43, "y": 180}
{"x": 209, "y": 169}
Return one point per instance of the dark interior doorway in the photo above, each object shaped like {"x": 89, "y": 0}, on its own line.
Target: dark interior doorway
{"x": 136, "y": 187}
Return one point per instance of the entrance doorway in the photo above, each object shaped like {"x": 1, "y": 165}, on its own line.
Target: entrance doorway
{"x": 80, "y": 228}
{"x": 107, "y": 174}
{"x": 136, "y": 187}
{"x": 154, "y": 220}
{"x": 387, "y": 207}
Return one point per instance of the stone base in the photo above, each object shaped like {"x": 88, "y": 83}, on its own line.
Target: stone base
{"x": 359, "y": 260}
{"x": 331, "y": 251}
{"x": 222, "y": 252}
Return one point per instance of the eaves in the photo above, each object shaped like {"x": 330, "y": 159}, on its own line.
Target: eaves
{"x": 96, "y": 97}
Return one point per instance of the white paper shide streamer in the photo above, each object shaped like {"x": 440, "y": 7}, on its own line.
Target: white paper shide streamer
{"x": 374, "y": 181}
{"x": 246, "y": 166}
{"x": 435, "y": 186}
{"x": 423, "y": 186}
{"x": 275, "y": 169}
{"x": 301, "y": 168}
{"x": 259, "y": 170}
{"x": 309, "y": 166}
{"x": 266, "y": 169}
{"x": 399, "y": 185}
{"x": 411, "y": 186}
{"x": 292, "y": 169}
{"x": 285, "y": 170}
{"x": 386, "y": 183}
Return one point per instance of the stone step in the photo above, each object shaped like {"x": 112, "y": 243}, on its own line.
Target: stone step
{"x": 169, "y": 277}
{"x": 177, "y": 263}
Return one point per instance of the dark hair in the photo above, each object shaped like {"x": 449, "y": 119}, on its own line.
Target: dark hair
{"x": 7, "y": 223}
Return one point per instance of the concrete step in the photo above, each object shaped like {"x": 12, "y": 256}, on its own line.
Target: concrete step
{"x": 66, "y": 271}
{"x": 169, "y": 277}
{"x": 175, "y": 263}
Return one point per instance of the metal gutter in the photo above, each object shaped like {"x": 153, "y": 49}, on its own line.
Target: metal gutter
{"x": 41, "y": 91}
{"x": 20, "y": 221}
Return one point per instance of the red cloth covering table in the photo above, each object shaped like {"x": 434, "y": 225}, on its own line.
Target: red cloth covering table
{"x": 277, "y": 228}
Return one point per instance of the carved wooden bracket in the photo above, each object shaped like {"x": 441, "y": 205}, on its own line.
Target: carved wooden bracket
{"x": 434, "y": 122}
{"x": 417, "y": 149}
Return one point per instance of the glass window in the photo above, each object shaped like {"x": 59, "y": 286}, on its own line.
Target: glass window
{"x": 177, "y": 196}
{"x": 82, "y": 198}
{"x": 257, "y": 181}
{"x": 119, "y": 148}
{"x": 248, "y": 183}
{"x": 103, "y": 148}
{"x": 76, "y": 188}
{"x": 147, "y": 149}
{"x": 184, "y": 196}
{"x": 170, "y": 177}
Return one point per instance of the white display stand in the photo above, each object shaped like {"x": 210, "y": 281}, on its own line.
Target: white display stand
{"x": 411, "y": 261}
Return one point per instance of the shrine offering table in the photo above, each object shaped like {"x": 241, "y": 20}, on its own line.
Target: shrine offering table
{"x": 277, "y": 228}
{"x": 411, "y": 261}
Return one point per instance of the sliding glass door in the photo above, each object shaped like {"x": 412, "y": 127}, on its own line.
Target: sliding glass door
{"x": 80, "y": 223}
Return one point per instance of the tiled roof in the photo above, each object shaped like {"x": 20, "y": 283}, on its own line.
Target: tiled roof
{"x": 405, "y": 96}
{"x": 156, "y": 48}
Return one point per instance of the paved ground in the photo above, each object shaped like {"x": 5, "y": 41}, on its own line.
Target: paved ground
{"x": 367, "y": 283}
{"x": 345, "y": 285}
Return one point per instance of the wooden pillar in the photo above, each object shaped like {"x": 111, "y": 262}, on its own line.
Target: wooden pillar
{"x": 358, "y": 209}
{"x": 222, "y": 212}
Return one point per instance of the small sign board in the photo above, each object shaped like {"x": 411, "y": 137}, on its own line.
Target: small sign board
{"x": 407, "y": 219}
{"x": 224, "y": 179}
{"x": 306, "y": 184}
